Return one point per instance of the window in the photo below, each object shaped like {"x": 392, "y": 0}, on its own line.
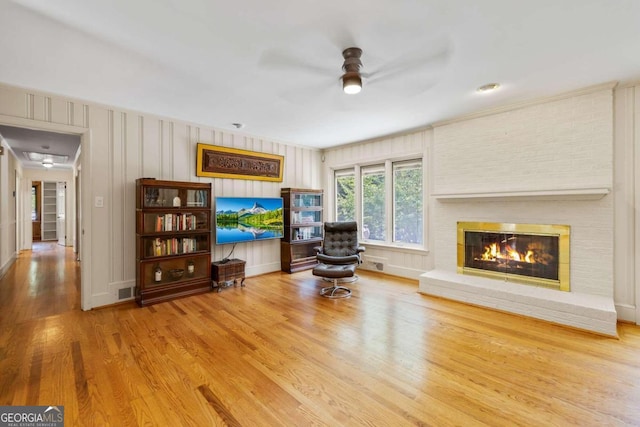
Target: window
{"x": 373, "y": 203}
{"x": 386, "y": 199}
{"x": 35, "y": 202}
{"x": 345, "y": 195}
{"x": 407, "y": 202}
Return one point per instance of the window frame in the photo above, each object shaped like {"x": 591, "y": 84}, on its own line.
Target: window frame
{"x": 396, "y": 165}
{"x": 36, "y": 187}
{"x": 337, "y": 173}
{"x": 389, "y": 201}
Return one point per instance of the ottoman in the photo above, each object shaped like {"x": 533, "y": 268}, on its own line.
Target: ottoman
{"x": 334, "y": 272}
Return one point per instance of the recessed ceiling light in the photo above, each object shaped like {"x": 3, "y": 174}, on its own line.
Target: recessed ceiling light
{"x": 489, "y": 87}
{"x": 237, "y": 125}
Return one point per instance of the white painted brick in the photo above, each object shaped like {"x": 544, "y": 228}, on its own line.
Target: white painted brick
{"x": 564, "y": 144}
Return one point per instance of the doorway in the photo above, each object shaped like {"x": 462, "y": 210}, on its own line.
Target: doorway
{"x": 29, "y": 173}
{"x": 36, "y": 210}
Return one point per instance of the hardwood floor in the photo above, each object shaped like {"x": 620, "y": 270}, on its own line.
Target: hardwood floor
{"x": 276, "y": 354}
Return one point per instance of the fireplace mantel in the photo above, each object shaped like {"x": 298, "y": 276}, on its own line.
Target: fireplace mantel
{"x": 516, "y": 196}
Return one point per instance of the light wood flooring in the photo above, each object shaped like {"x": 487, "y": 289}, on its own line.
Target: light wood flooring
{"x": 276, "y": 354}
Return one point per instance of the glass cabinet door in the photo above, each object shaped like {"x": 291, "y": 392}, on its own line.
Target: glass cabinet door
{"x": 306, "y": 233}
{"x": 306, "y": 216}
{"x": 307, "y": 200}
{"x": 167, "y": 246}
{"x": 161, "y": 197}
{"x": 157, "y": 222}
{"x": 175, "y": 270}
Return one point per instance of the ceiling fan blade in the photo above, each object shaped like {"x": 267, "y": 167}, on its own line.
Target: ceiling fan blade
{"x": 341, "y": 38}
{"x": 310, "y": 93}
{"x": 424, "y": 63}
{"x": 411, "y": 77}
{"x": 279, "y": 60}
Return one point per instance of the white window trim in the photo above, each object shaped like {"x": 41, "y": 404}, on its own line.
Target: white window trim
{"x": 388, "y": 243}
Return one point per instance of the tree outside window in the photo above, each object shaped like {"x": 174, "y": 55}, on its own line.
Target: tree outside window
{"x": 407, "y": 202}
{"x": 34, "y": 203}
{"x": 373, "y": 203}
{"x": 345, "y": 181}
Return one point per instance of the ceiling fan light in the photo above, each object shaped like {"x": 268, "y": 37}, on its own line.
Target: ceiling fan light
{"x": 351, "y": 83}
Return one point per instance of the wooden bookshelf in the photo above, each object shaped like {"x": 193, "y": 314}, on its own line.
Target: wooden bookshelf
{"x": 303, "y": 228}
{"x": 173, "y": 239}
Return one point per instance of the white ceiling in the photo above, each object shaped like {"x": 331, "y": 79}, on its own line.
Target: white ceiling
{"x": 275, "y": 65}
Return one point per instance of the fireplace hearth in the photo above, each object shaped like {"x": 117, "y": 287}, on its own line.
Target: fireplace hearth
{"x": 533, "y": 254}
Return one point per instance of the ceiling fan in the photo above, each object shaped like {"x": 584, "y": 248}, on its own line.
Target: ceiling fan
{"x": 408, "y": 74}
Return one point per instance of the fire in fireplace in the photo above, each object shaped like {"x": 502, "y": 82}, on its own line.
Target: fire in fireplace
{"x": 528, "y": 253}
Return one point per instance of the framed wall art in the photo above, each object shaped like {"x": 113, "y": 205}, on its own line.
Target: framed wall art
{"x": 225, "y": 162}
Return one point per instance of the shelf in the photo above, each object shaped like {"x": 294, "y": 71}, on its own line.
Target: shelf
{"x": 516, "y": 196}
{"x": 49, "y": 211}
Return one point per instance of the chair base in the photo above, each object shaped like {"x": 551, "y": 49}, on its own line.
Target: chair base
{"x": 335, "y": 291}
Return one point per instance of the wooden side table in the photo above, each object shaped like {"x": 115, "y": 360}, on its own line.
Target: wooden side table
{"x": 225, "y": 274}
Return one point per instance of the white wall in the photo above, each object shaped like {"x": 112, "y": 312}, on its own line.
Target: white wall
{"x": 119, "y": 146}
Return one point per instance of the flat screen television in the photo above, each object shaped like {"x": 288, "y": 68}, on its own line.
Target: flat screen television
{"x": 247, "y": 219}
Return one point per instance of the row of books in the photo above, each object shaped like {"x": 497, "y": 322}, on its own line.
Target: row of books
{"x": 176, "y": 222}
{"x": 174, "y": 246}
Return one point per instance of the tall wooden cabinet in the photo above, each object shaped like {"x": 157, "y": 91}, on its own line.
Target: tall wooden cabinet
{"x": 173, "y": 239}
{"x": 303, "y": 228}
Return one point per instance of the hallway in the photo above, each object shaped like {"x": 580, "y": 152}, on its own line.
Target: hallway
{"x": 43, "y": 282}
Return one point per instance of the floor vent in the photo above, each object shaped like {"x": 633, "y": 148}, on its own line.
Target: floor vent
{"x": 124, "y": 293}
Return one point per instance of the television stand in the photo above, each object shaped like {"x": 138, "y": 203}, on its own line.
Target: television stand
{"x": 226, "y": 273}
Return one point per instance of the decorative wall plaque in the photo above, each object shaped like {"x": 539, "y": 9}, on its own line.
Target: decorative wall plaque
{"x": 225, "y": 162}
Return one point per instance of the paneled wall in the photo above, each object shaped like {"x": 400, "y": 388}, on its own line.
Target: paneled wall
{"x": 119, "y": 146}
{"x": 627, "y": 201}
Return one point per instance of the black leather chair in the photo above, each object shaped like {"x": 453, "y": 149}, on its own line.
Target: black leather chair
{"x": 338, "y": 257}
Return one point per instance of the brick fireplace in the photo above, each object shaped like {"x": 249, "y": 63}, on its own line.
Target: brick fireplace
{"x": 546, "y": 162}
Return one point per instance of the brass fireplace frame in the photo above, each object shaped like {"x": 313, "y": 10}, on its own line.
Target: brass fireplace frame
{"x": 563, "y": 232}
